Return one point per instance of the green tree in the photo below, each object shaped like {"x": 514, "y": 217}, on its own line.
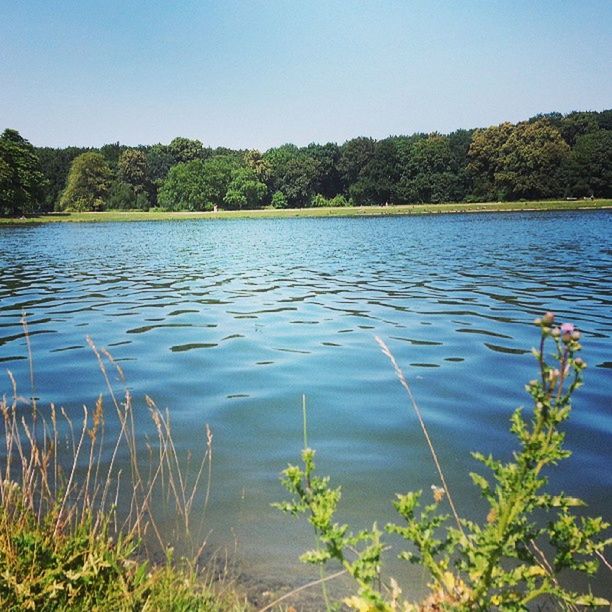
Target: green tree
{"x": 184, "y": 187}
{"x": 484, "y": 158}
{"x": 298, "y": 181}
{"x": 245, "y": 190}
{"x": 88, "y": 183}
{"x": 198, "y": 184}
{"x": 254, "y": 160}
{"x": 577, "y": 124}
{"x": 55, "y": 164}
{"x": 355, "y": 154}
{"x": 431, "y": 172}
{"x": 292, "y": 172}
{"x": 277, "y": 159}
{"x": 22, "y": 182}
{"x": 327, "y": 181}
{"x": 132, "y": 169}
{"x": 111, "y": 153}
{"x": 590, "y": 166}
{"x": 532, "y": 161}
{"x": 121, "y": 196}
{"x": 159, "y": 162}
{"x": 185, "y": 150}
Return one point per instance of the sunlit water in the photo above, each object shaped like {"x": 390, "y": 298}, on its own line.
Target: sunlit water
{"x": 230, "y": 322}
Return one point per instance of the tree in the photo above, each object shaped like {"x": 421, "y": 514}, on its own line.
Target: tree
{"x": 277, "y": 159}
{"x": 377, "y": 180}
{"x": 55, "y": 164}
{"x": 355, "y": 154}
{"x": 88, "y": 183}
{"x": 184, "y": 187}
{"x": 576, "y": 124}
{"x": 484, "y": 158}
{"x": 22, "y": 182}
{"x": 292, "y": 172}
{"x": 159, "y": 161}
{"x": 327, "y": 181}
{"x": 198, "y": 184}
{"x": 590, "y": 166}
{"x": 111, "y": 153}
{"x": 254, "y": 160}
{"x": 245, "y": 190}
{"x": 279, "y": 200}
{"x": 298, "y": 181}
{"x": 532, "y": 159}
{"x": 132, "y": 169}
{"x": 186, "y": 150}
{"x": 431, "y": 172}
{"x": 121, "y": 196}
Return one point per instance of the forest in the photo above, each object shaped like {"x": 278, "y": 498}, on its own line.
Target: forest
{"x": 548, "y": 156}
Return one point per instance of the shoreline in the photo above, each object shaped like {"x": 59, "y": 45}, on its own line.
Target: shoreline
{"x": 353, "y": 211}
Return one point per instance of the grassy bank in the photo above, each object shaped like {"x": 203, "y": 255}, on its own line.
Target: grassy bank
{"x": 353, "y": 211}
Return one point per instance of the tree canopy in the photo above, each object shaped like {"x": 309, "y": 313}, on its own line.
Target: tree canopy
{"x": 550, "y": 155}
{"x": 88, "y": 183}
{"x": 22, "y": 182}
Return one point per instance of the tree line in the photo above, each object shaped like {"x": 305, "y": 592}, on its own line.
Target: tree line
{"x": 548, "y": 156}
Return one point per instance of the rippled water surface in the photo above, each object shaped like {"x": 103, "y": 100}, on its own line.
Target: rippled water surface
{"x": 230, "y": 322}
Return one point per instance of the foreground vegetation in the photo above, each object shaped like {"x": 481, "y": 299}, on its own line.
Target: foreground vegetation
{"x": 550, "y": 156}
{"x": 348, "y": 211}
{"x": 518, "y": 556}
{"x": 77, "y": 533}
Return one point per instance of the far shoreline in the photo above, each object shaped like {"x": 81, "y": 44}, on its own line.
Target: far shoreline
{"x": 349, "y": 211}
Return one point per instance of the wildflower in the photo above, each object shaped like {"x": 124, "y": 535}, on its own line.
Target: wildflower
{"x": 567, "y": 328}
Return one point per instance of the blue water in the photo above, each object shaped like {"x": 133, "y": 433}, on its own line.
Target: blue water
{"x": 230, "y": 322}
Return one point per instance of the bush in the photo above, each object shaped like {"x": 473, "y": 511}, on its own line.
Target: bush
{"x": 321, "y": 201}
{"x": 279, "y": 200}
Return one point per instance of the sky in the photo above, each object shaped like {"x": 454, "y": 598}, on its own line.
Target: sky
{"x": 260, "y": 73}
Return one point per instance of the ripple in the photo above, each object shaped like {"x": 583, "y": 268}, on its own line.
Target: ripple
{"x": 181, "y": 348}
{"x": 505, "y": 349}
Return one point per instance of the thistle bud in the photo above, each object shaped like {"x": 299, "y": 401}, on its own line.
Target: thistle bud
{"x": 548, "y": 318}
{"x": 556, "y": 332}
{"x": 576, "y": 335}
{"x": 537, "y": 321}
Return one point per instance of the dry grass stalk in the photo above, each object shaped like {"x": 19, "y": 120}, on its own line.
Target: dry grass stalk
{"x": 54, "y": 468}
{"x": 404, "y": 382}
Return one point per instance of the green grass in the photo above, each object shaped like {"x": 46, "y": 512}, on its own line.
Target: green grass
{"x": 351, "y": 211}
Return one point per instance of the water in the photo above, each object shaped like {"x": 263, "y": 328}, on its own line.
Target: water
{"x": 230, "y": 322}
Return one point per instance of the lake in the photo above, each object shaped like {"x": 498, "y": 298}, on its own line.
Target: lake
{"x": 230, "y": 322}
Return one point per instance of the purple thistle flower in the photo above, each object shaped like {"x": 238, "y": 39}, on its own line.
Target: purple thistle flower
{"x": 567, "y": 328}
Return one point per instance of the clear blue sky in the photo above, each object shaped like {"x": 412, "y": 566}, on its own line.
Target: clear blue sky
{"x": 259, "y": 73}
